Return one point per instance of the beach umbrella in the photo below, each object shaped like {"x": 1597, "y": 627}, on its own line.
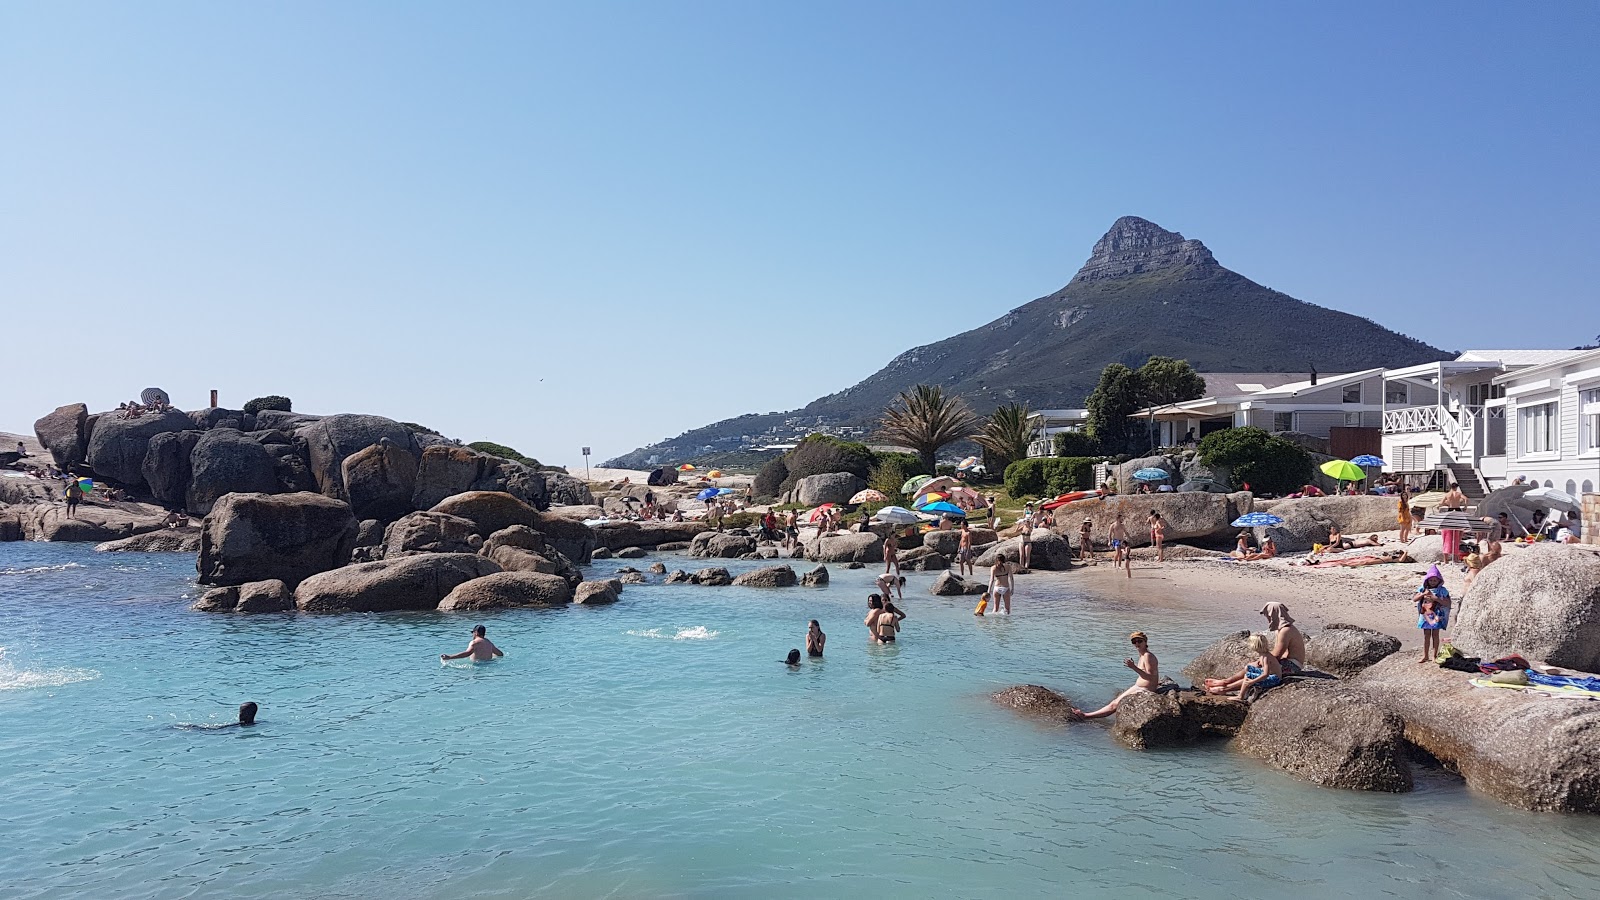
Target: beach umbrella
{"x": 971, "y": 462}
{"x": 1456, "y": 521}
{"x": 868, "y": 496}
{"x": 816, "y": 514}
{"x": 86, "y": 484}
{"x": 725, "y": 491}
{"x": 714, "y": 473}
{"x": 965, "y": 496}
{"x": 1152, "y": 474}
{"x": 686, "y": 467}
{"x": 930, "y": 497}
{"x": 1342, "y": 470}
{"x": 915, "y": 482}
{"x": 943, "y": 508}
{"x": 1551, "y": 497}
{"x": 937, "y": 484}
{"x": 1257, "y": 520}
{"x": 706, "y": 494}
{"x": 896, "y": 515}
{"x": 1368, "y": 461}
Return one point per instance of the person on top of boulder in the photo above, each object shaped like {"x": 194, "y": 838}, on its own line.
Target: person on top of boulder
{"x": 1288, "y": 647}
{"x": 1148, "y": 668}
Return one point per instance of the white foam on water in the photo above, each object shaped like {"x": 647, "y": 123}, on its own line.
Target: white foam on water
{"x": 34, "y": 570}
{"x": 15, "y": 679}
{"x": 697, "y": 633}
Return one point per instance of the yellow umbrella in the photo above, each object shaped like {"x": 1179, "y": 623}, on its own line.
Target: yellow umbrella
{"x": 714, "y": 473}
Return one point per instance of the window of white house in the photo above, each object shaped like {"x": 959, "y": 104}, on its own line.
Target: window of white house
{"x": 1538, "y": 428}
{"x": 1352, "y": 418}
{"x": 1479, "y": 394}
{"x": 1283, "y": 421}
{"x": 1352, "y": 393}
{"x": 1589, "y": 420}
{"x": 1396, "y": 393}
{"x": 1413, "y": 458}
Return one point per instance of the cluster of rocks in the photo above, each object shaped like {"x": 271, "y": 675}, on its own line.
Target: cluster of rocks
{"x": 175, "y": 460}
{"x": 766, "y": 577}
{"x": 1384, "y": 714}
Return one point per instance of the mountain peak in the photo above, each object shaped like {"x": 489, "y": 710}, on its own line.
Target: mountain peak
{"x": 1135, "y": 245}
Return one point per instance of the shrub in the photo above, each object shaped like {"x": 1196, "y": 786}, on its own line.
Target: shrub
{"x": 769, "y": 481}
{"x": 1049, "y": 476}
{"x": 820, "y": 454}
{"x": 503, "y": 452}
{"x": 910, "y": 463}
{"x": 414, "y": 428}
{"x": 887, "y": 475}
{"x": 1075, "y": 443}
{"x": 1268, "y": 463}
{"x": 271, "y": 401}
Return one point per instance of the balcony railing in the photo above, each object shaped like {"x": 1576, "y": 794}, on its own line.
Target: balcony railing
{"x": 1411, "y": 419}
{"x": 1456, "y": 434}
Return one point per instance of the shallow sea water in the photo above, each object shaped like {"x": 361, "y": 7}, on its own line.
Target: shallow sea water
{"x": 658, "y": 748}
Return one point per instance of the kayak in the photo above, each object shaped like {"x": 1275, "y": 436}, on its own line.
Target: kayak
{"x": 1068, "y": 498}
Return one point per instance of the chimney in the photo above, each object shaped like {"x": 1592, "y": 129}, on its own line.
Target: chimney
{"x": 213, "y": 398}
{"x": 1313, "y": 376}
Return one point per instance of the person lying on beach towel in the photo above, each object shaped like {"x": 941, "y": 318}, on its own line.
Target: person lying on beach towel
{"x": 1391, "y": 556}
{"x": 1338, "y": 541}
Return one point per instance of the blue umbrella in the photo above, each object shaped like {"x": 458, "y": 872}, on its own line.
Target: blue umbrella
{"x": 1257, "y": 520}
{"x": 1368, "y": 461}
{"x": 706, "y": 494}
{"x": 1152, "y": 475}
{"x": 722, "y": 491}
{"x": 949, "y": 509}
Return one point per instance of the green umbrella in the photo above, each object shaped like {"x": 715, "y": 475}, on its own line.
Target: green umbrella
{"x": 1342, "y": 470}
{"x": 910, "y": 487}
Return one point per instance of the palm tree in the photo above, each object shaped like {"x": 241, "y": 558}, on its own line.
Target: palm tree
{"x": 924, "y": 420}
{"x": 1005, "y": 435}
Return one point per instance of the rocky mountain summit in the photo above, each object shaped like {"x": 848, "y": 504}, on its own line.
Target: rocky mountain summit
{"x": 1144, "y": 291}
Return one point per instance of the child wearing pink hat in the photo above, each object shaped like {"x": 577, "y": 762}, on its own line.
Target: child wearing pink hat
{"x": 1433, "y": 612}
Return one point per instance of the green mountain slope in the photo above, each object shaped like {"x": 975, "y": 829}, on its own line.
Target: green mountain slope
{"x": 1145, "y": 291}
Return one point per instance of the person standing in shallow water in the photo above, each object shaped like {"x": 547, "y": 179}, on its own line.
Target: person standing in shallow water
{"x": 815, "y": 640}
{"x": 481, "y": 649}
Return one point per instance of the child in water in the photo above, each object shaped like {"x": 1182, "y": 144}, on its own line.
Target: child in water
{"x": 815, "y": 640}
{"x": 1433, "y": 612}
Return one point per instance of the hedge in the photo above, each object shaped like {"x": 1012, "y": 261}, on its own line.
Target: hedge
{"x": 271, "y": 401}
{"x": 1049, "y": 476}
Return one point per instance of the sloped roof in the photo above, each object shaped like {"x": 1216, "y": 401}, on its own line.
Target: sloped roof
{"x": 1323, "y": 381}
{"x": 1517, "y": 357}
{"x": 1243, "y": 384}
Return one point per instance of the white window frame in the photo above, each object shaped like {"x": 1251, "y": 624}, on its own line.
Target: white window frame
{"x": 1275, "y": 428}
{"x": 1396, "y": 387}
{"x": 1344, "y": 395}
{"x": 1523, "y": 432}
{"x": 1352, "y": 419}
{"x": 1589, "y": 422}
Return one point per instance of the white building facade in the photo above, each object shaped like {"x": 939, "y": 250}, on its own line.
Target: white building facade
{"x": 1552, "y": 418}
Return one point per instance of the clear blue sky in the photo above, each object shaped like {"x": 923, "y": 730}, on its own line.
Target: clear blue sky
{"x": 590, "y": 223}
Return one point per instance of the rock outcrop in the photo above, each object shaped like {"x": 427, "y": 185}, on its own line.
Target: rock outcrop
{"x": 834, "y": 487}
{"x": 253, "y": 537}
{"x": 946, "y": 543}
{"x": 503, "y": 590}
{"x": 166, "y": 540}
{"x": 331, "y": 439}
{"x": 117, "y": 445}
{"x": 489, "y": 511}
{"x": 268, "y": 596}
{"x": 1306, "y": 519}
{"x": 921, "y": 559}
{"x": 93, "y": 524}
{"x": 228, "y": 461}
{"x": 1174, "y": 718}
{"x": 1050, "y": 552}
{"x": 1328, "y": 734}
{"x": 445, "y": 471}
{"x": 390, "y": 585}
{"x": 380, "y": 480}
{"x": 1223, "y": 659}
{"x": 430, "y": 532}
{"x": 844, "y": 548}
{"x": 715, "y": 576}
{"x": 1195, "y": 516}
{"x": 1542, "y": 602}
{"x": 721, "y": 545}
{"x": 817, "y": 577}
{"x": 949, "y": 584}
{"x": 650, "y": 535}
{"x": 768, "y": 577}
{"x": 167, "y": 468}
{"x": 65, "y": 435}
{"x": 594, "y": 593}
{"x": 1035, "y": 701}
{"x": 1347, "y": 650}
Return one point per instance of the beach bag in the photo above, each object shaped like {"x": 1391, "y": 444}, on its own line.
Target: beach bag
{"x": 1516, "y": 676}
{"x": 1503, "y": 664}
{"x": 983, "y": 604}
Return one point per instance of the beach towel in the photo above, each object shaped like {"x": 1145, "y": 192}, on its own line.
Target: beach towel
{"x": 1564, "y": 693}
{"x": 1581, "y": 682}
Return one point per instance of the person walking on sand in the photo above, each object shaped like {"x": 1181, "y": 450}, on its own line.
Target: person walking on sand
{"x": 815, "y": 640}
{"x": 74, "y": 494}
{"x": 1147, "y": 667}
{"x": 964, "y": 552}
{"x": 1086, "y": 542}
{"x": 1122, "y": 554}
{"x": 1158, "y": 533}
{"x": 481, "y": 649}
{"x": 1001, "y": 584}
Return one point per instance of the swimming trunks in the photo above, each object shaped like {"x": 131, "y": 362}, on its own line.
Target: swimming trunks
{"x": 1290, "y": 667}
{"x": 965, "y": 554}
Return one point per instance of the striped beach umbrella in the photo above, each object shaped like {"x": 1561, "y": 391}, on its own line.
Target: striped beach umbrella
{"x": 1454, "y": 520}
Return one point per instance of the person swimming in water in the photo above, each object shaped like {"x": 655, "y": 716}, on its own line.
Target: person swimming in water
{"x": 481, "y": 649}
{"x": 793, "y": 658}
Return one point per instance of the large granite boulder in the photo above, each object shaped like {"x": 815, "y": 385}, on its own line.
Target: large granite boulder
{"x": 947, "y": 543}
{"x": 847, "y": 547}
{"x": 519, "y": 548}
{"x": 430, "y": 532}
{"x": 167, "y": 467}
{"x": 1347, "y": 650}
{"x": 219, "y": 599}
{"x": 281, "y": 420}
{"x": 503, "y": 590}
{"x": 269, "y": 596}
{"x": 817, "y": 577}
{"x": 379, "y": 480}
{"x": 573, "y": 540}
{"x": 292, "y": 468}
{"x": 1035, "y": 701}
{"x": 834, "y": 487}
{"x": 1051, "y": 552}
{"x": 563, "y": 488}
{"x": 93, "y": 524}
{"x": 1174, "y": 718}
{"x": 117, "y": 445}
{"x": 594, "y": 593}
{"x": 721, "y": 545}
{"x": 1197, "y": 516}
{"x": 921, "y": 559}
{"x": 1520, "y": 747}
{"x": 331, "y": 439}
{"x": 64, "y": 434}
{"x": 166, "y": 540}
{"x": 769, "y": 577}
{"x": 389, "y": 585}
{"x": 714, "y": 576}
{"x": 489, "y": 511}
{"x": 228, "y": 461}
{"x": 253, "y": 537}
{"x": 1169, "y": 464}
{"x": 1223, "y": 659}
{"x": 949, "y": 584}
{"x": 617, "y": 535}
{"x": 1306, "y": 519}
{"x": 1328, "y": 734}
{"x": 446, "y": 470}
{"x": 1542, "y": 602}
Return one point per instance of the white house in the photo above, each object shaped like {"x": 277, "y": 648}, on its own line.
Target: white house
{"x": 1047, "y": 423}
{"x": 1552, "y": 423}
{"x": 1346, "y": 408}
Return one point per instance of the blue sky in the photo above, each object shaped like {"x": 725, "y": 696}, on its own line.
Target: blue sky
{"x": 603, "y": 224}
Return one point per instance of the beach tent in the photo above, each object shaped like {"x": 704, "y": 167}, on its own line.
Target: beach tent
{"x": 662, "y": 477}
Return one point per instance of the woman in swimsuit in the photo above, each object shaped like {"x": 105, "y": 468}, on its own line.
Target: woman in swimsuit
{"x": 880, "y": 624}
{"x": 891, "y": 554}
{"x": 1158, "y": 533}
{"x": 1404, "y": 515}
{"x": 1242, "y": 548}
{"x": 815, "y": 640}
{"x": 1000, "y": 584}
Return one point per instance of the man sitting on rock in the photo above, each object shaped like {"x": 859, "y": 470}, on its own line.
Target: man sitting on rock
{"x": 1288, "y": 645}
{"x": 1148, "y": 669}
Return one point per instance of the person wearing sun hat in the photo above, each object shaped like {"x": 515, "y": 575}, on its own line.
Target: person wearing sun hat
{"x": 1148, "y": 669}
{"x": 1433, "y": 611}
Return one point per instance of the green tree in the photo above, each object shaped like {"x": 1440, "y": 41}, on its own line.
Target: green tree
{"x": 1110, "y": 404}
{"x": 1268, "y": 463}
{"x": 1005, "y": 436}
{"x": 1075, "y": 443}
{"x": 1164, "y": 381}
{"x": 924, "y": 420}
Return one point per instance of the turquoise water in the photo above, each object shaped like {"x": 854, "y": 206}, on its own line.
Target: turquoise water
{"x": 657, "y": 748}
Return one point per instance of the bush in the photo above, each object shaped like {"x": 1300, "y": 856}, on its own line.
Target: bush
{"x": 414, "y": 428}
{"x": 1049, "y": 476}
{"x": 271, "y": 401}
{"x": 503, "y": 452}
{"x": 888, "y": 474}
{"x": 769, "y": 481}
{"x": 909, "y": 463}
{"x": 1075, "y": 443}
{"x": 1268, "y": 463}
{"x": 820, "y": 454}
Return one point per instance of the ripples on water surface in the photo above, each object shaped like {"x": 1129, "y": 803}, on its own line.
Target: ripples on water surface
{"x": 659, "y": 748}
